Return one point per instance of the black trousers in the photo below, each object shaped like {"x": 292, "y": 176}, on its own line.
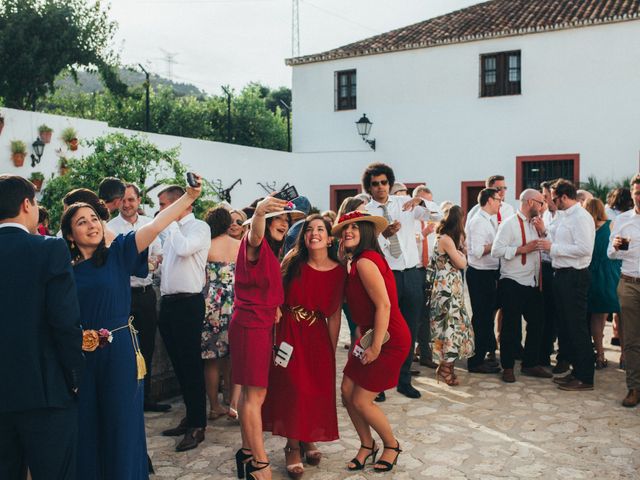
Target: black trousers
{"x": 145, "y": 320}
{"x": 519, "y": 301}
{"x": 483, "y": 289}
{"x": 423, "y": 336}
{"x": 571, "y": 288}
{"x": 45, "y": 440}
{"x": 410, "y": 284}
{"x": 180, "y": 325}
{"x": 550, "y": 328}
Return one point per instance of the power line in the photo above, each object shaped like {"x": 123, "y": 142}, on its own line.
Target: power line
{"x": 342, "y": 17}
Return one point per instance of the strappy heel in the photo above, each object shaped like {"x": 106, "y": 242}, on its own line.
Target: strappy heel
{"x": 242, "y": 459}
{"x": 294, "y": 470}
{"x": 386, "y": 466}
{"x": 251, "y": 469}
{"x": 445, "y": 373}
{"x": 356, "y": 462}
{"x": 312, "y": 457}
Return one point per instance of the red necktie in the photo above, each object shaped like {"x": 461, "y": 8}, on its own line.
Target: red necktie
{"x": 499, "y": 217}
{"x": 524, "y": 239}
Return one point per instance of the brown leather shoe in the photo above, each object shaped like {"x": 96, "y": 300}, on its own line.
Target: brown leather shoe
{"x": 508, "y": 376}
{"x": 192, "y": 438}
{"x": 575, "y": 385}
{"x": 563, "y": 380}
{"x": 536, "y": 371}
{"x": 632, "y": 399}
{"x": 561, "y": 367}
{"x": 181, "y": 429}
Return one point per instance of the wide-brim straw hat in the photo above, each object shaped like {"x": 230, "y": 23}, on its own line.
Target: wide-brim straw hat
{"x": 295, "y": 215}
{"x": 379, "y": 223}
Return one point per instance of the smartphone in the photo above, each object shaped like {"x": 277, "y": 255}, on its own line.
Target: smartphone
{"x": 283, "y": 355}
{"x": 289, "y": 193}
{"x": 358, "y": 351}
{"x": 191, "y": 180}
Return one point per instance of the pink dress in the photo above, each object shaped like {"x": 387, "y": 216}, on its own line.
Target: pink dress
{"x": 258, "y": 293}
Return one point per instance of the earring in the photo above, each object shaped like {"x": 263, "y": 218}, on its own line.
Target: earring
{"x": 73, "y": 245}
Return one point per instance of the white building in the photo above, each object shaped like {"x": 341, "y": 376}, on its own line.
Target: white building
{"x": 531, "y": 89}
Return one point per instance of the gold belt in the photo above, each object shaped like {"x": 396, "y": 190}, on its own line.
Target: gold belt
{"x": 302, "y": 314}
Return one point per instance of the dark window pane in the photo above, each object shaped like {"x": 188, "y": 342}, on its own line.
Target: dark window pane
{"x": 501, "y": 74}
{"x": 346, "y": 90}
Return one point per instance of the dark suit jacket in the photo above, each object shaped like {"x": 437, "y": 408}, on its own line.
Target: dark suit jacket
{"x": 41, "y": 355}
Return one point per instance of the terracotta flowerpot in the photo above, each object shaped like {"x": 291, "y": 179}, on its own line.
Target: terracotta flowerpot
{"x": 18, "y": 159}
{"x": 45, "y": 136}
{"x": 1, "y": 126}
{"x": 73, "y": 144}
{"x": 37, "y": 184}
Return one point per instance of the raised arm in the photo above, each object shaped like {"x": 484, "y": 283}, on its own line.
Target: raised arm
{"x": 374, "y": 285}
{"x": 148, "y": 233}
{"x": 258, "y": 223}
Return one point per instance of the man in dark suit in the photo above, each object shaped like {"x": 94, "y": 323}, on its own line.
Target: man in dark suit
{"x": 40, "y": 343}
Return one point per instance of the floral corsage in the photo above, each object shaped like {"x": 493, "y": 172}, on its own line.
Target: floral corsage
{"x": 93, "y": 339}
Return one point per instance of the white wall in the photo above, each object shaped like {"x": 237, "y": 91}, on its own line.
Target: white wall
{"x": 579, "y": 95}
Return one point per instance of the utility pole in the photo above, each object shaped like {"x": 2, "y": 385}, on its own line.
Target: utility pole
{"x": 288, "y": 109}
{"x": 228, "y": 92}
{"x": 295, "y": 28}
{"x": 169, "y": 59}
{"x": 147, "y": 85}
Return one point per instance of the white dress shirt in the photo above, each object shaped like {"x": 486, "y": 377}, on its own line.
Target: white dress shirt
{"x": 431, "y": 240}
{"x": 573, "y": 240}
{"x": 185, "y": 256}
{"x": 121, "y": 226}
{"x": 481, "y": 232}
{"x": 407, "y": 233}
{"x": 16, "y": 225}
{"x": 506, "y": 210}
{"x": 507, "y": 241}
{"x": 627, "y": 224}
{"x": 550, "y": 224}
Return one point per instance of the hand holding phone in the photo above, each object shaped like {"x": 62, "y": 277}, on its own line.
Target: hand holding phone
{"x": 288, "y": 194}
{"x": 192, "y": 180}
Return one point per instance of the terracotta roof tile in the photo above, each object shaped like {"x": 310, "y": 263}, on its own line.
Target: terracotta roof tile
{"x": 496, "y": 18}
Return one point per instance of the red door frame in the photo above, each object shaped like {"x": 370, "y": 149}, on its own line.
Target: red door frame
{"x": 464, "y": 195}
{"x": 335, "y": 188}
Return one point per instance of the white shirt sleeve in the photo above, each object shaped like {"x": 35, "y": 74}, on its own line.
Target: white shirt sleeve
{"x": 503, "y": 243}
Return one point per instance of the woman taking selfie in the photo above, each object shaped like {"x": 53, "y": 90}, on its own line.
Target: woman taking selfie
{"x": 373, "y": 302}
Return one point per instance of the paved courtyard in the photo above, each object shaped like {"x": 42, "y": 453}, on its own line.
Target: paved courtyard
{"x": 483, "y": 429}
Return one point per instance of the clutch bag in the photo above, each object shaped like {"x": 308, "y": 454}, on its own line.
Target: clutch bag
{"x": 367, "y": 339}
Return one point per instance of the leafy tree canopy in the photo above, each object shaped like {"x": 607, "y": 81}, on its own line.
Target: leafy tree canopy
{"x": 131, "y": 159}
{"x": 41, "y": 38}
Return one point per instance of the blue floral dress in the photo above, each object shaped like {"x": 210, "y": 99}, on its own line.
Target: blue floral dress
{"x": 219, "y": 307}
{"x": 451, "y": 331}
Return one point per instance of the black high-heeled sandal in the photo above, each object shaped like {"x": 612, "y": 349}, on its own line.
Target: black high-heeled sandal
{"x": 251, "y": 468}
{"x": 242, "y": 459}
{"x": 356, "y": 462}
{"x": 386, "y": 466}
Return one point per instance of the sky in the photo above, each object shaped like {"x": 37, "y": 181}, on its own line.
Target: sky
{"x": 234, "y": 42}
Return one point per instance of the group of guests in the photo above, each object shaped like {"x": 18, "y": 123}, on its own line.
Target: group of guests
{"x": 255, "y": 297}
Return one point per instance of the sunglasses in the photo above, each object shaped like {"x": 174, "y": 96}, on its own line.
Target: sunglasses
{"x": 376, "y": 183}
{"x": 500, "y": 189}
{"x": 239, "y": 222}
{"x": 537, "y": 201}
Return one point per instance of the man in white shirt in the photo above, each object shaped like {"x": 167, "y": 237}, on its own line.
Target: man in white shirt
{"x": 517, "y": 245}
{"x": 550, "y": 331}
{"x": 143, "y": 296}
{"x": 398, "y": 243}
{"x": 424, "y": 240}
{"x": 571, "y": 251}
{"x": 506, "y": 210}
{"x": 482, "y": 279}
{"x": 182, "y": 310}
{"x": 624, "y": 245}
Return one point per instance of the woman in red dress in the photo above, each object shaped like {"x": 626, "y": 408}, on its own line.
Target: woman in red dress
{"x": 301, "y": 401}
{"x": 258, "y": 295}
{"x": 373, "y": 301}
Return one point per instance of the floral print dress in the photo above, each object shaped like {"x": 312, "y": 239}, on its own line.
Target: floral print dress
{"x": 219, "y": 307}
{"x": 451, "y": 330}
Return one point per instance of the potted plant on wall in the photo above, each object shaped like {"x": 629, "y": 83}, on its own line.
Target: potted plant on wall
{"x": 45, "y": 133}
{"x": 63, "y": 165}
{"x": 70, "y": 137}
{"x": 37, "y": 178}
{"x": 1, "y": 122}
{"x": 18, "y": 152}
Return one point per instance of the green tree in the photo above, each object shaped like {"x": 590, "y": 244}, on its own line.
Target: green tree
{"x": 41, "y": 38}
{"x": 132, "y": 159}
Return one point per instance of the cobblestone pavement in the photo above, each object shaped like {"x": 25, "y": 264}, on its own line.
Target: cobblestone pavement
{"x": 483, "y": 429}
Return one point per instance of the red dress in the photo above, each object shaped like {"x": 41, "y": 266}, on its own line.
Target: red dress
{"x": 383, "y": 373}
{"x": 301, "y": 400}
{"x": 258, "y": 293}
